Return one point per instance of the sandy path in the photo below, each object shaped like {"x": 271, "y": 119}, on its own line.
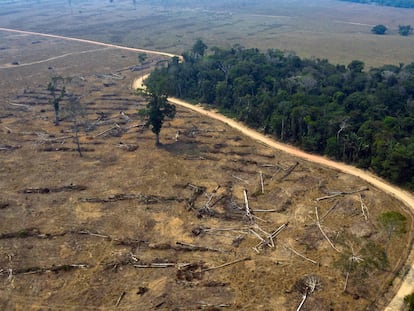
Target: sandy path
{"x": 405, "y": 197}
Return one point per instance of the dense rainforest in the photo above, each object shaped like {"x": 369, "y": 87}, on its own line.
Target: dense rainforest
{"x": 364, "y": 117}
{"x": 394, "y": 3}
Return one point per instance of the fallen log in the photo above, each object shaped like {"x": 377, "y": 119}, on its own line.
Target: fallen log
{"x": 87, "y": 232}
{"x": 4, "y": 205}
{"x": 116, "y": 126}
{"x": 142, "y": 198}
{"x": 158, "y": 265}
{"x": 340, "y": 193}
{"x": 9, "y": 147}
{"x": 289, "y": 171}
{"x": 30, "y": 232}
{"x": 226, "y": 264}
{"x": 192, "y": 247}
{"x": 318, "y": 223}
{"x": 300, "y": 255}
{"x": 269, "y": 239}
{"x": 68, "y": 188}
{"x": 53, "y": 268}
{"x": 120, "y": 298}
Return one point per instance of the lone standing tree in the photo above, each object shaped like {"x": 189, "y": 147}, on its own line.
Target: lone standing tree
{"x": 158, "y": 108}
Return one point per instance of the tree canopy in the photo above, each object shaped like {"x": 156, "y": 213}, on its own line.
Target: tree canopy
{"x": 379, "y": 29}
{"x": 404, "y": 30}
{"x": 158, "y": 108}
{"x": 346, "y": 112}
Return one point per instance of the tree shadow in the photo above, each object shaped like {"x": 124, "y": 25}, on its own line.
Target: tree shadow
{"x": 188, "y": 149}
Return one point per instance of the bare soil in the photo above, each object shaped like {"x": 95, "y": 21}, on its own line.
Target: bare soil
{"x": 133, "y": 226}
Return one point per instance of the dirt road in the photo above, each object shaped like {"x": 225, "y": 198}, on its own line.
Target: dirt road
{"x": 89, "y": 42}
{"x": 407, "y": 285}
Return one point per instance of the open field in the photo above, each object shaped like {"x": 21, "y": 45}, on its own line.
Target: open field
{"x": 329, "y": 29}
{"x": 92, "y": 232}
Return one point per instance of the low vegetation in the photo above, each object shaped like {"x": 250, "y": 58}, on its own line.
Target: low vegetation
{"x": 409, "y": 301}
{"x": 394, "y": 3}
{"x": 379, "y": 29}
{"x": 404, "y": 30}
{"x": 359, "y": 116}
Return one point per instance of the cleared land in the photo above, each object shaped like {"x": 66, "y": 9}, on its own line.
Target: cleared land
{"x": 110, "y": 220}
{"x": 338, "y": 31}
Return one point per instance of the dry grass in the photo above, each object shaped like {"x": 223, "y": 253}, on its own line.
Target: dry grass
{"x": 329, "y": 29}
{"x": 64, "y": 226}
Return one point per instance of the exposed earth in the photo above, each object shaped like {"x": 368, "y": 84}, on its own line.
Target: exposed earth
{"x": 130, "y": 225}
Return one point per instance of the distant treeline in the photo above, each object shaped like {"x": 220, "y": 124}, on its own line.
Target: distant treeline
{"x": 357, "y": 116}
{"x": 395, "y": 3}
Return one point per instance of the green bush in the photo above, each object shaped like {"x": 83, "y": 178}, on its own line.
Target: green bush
{"x": 409, "y": 301}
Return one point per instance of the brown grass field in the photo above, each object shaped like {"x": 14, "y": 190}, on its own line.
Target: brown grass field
{"x": 335, "y": 30}
{"x": 131, "y": 226}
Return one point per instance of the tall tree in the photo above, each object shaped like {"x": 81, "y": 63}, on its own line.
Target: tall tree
{"x": 158, "y": 108}
{"x": 199, "y": 48}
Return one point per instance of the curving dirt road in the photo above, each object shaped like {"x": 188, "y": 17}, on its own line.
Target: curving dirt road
{"x": 405, "y": 197}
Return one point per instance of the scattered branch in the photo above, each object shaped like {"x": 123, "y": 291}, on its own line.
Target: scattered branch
{"x": 261, "y": 181}
{"x": 94, "y": 234}
{"x": 300, "y": 255}
{"x": 353, "y": 259}
{"x": 192, "y": 247}
{"x": 116, "y": 126}
{"x": 318, "y": 223}
{"x": 206, "y": 209}
{"x": 9, "y": 130}
{"x": 269, "y": 238}
{"x": 241, "y": 179}
{"x": 329, "y": 210}
{"x": 120, "y": 298}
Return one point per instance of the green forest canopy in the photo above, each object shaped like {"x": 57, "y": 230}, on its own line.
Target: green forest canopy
{"x": 395, "y": 3}
{"x": 352, "y": 115}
